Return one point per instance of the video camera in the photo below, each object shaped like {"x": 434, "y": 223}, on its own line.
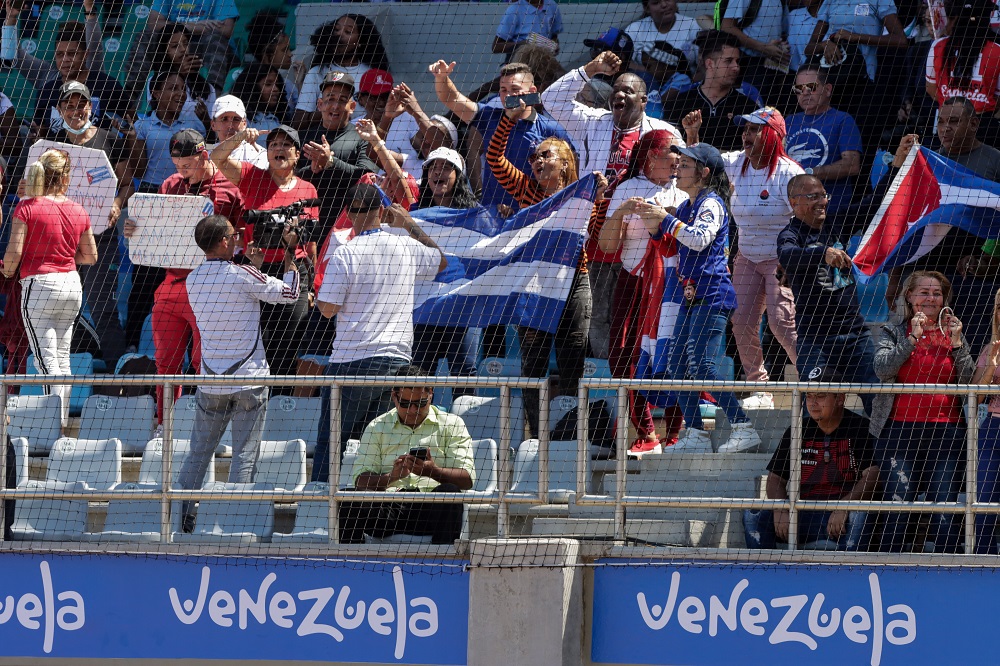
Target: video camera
{"x": 270, "y": 225}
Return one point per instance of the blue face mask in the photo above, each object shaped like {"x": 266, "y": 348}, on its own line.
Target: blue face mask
{"x": 80, "y": 131}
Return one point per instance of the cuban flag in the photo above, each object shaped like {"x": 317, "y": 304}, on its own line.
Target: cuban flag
{"x": 515, "y": 270}
{"x": 929, "y": 195}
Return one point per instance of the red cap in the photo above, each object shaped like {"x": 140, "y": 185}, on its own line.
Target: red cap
{"x": 767, "y": 115}
{"x": 375, "y": 82}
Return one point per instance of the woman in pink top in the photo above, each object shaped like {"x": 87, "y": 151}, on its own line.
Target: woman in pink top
{"x": 988, "y": 471}
{"x": 49, "y": 237}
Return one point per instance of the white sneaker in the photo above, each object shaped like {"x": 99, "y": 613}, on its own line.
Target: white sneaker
{"x": 691, "y": 441}
{"x": 759, "y": 400}
{"x": 742, "y": 440}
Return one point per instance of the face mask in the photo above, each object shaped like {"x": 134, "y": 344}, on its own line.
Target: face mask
{"x": 80, "y": 131}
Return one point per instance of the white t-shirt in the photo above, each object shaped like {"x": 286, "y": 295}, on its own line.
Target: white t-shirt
{"x": 309, "y": 94}
{"x": 636, "y": 237}
{"x": 643, "y": 33}
{"x": 760, "y": 204}
{"x": 397, "y": 139}
{"x": 372, "y": 279}
{"x": 225, "y": 298}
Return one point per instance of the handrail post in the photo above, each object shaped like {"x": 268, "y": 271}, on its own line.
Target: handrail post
{"x": 582, "y": 439}
{"x": 167, "y": 449}
{"x": 971, "y": 468}
{"x": 621, "y": 461}
{"x": 543, "y": 442}
{"x": 5, "y": 440}
{"x": 795, "y": 480}
{"x": 503, "y": 510}
{"x": 334, "y": 453}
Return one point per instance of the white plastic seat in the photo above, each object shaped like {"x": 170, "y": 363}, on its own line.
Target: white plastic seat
{"x": 20, "y": 446}
{"x": 564, "y": 404}
{"x": 234, "y": 519}
{"x": 346, "y": 479}
{"x": 128, "y": 419}
{"x": 135, "y": 521}
{"x": 184, "y": 411}
{"x": 50, "y": 519}
{"x": 293, "y": 418}
{"x": 36, "y": 418}
{"x": 311, "y": 518}
{"x": 498, "y": 367}
{"x": 598, "y": 368}
{"x": 562, "y": 470}
{"x": 282, "y": 464}
{"x": 96, "y": 462}
{"x": 482, "y": 417}
{"x": 151, "y": 467}
{"x": 484, "y": 452}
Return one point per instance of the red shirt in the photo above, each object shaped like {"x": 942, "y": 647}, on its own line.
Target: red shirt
{"x": 982, "y": 90}
{"x": 54, "y": 232}
{"x": 260, "y": 192}
{"x": 622, "y": 144}
{"x": 930, "y": 363}
{"x": 225, "y": 197}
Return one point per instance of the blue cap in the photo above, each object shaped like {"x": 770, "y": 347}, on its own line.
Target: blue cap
{"x": 615, "y": 40}
{"x": 703, "y": 153}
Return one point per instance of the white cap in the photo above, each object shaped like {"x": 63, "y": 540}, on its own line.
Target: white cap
{"x": 449, "y": 126}
{"x": 229, "y": 104}
{"x": 448, "y": 155}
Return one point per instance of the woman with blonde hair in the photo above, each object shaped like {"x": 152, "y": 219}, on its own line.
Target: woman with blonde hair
{"x": 50, "y": 235}
{"x": 988, "y": 471}
{"x": 921, "y": 437}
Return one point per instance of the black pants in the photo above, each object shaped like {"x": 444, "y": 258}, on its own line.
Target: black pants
{"x": 282, "y": 326}
{"x": 145, "y": 280}
{"x": 441, "y": 522}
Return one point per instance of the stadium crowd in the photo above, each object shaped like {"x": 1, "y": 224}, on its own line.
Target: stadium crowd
{"x": 730, "y": 156}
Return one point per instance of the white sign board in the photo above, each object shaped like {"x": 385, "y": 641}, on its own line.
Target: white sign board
{"x": 92, "y": 183}
{"x": 164, "y": 236}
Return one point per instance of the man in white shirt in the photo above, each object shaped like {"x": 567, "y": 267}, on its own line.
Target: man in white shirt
{"x": 369, "y": 285}
{"x": 229, "y": 116}
{"x": 225, "y": 297}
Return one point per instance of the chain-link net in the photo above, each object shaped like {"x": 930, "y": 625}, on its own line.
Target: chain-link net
{"x": 541, "y": 204}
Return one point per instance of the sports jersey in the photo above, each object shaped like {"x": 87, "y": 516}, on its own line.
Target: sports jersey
{"x": 984, "y": 87}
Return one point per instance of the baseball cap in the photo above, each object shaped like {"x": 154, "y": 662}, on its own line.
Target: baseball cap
{"x": 375, "y": 82}
{"x": 229, "y": 104}
{"x": 337, "y": 77}
{"x": 73, "y": 88}
{"x": 704, "y": 153}
{"x": 364, "y": 198}
{"x": 615, "y": 40}
{"x": 287, "y": 131}
{"x": 448, "y": 126}
{"x": 448, "y": 155}
{"x": 187, "y": 143}
{"x": 767, "y": 115}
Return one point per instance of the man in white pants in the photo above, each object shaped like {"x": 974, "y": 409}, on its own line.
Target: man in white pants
{"x": 225, "y": 297}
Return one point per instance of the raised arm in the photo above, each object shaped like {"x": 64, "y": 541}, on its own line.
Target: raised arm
{"x": 512, "y": 179}
{"x": 560, "y": 97}
{"x": 457, "y": 103}
{"x": 221, "y": 154}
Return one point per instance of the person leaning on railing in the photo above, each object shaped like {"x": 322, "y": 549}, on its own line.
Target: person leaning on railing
{"x": 50, "y": 235}
{"x": 921, "y": 445}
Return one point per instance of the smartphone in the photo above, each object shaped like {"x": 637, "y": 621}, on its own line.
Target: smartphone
{"x": 419, "y": 453}
{"x": 531, "y": 99}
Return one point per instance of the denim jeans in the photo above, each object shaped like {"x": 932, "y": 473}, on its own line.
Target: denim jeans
{"x": 699, "y": 337}
{"x": 359, "y": 405}
{"x": 920, "y": 458}
{"x": 988, "y": 484}
{"x": 758, "y": 526}
{"x": 848, "y": 358}
{"x": 432, "y": 343}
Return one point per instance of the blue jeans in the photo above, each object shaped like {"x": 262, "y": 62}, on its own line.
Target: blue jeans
{"x": 699, "y": 338}
{"x": 848, "y": 358}
{"x": 920, "y": 458}
{"x": 359, "y": 405}
{"x": 432, "y": 343}
{"x": 988, "y": 484}
{"x": 758, "y": 526}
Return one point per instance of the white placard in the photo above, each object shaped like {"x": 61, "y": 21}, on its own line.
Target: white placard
{"x": 92, "y": 183}
{"x": 165, "y": 233}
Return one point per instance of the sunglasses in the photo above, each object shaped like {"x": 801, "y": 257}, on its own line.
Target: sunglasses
{"x": 543, "y": 155}
{"x": 407, "y": 404}
{"x": 235, "y": 235}
{"x": 802, "y": 88}
{"x": 814, "y": 196}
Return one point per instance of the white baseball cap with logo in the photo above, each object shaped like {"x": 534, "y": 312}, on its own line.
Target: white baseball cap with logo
{"x": 229, "y": 104}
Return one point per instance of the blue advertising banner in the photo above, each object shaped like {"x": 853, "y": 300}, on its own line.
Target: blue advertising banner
{"x": 130, "y": 606}
{"x": 705, "y": 613}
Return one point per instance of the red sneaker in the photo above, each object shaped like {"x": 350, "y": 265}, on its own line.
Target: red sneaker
{"x": 641, "y": 447}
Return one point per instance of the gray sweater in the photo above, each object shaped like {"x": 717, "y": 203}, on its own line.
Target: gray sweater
{"x": 894, "y": 347}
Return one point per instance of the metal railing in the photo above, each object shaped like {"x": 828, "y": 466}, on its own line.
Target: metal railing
{"x": 502, "y": 497}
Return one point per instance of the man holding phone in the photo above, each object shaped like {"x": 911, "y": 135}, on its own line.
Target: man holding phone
{"x": 414, "y": 447}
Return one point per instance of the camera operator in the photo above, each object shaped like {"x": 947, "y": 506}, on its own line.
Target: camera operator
{"x": 262, "y": 190}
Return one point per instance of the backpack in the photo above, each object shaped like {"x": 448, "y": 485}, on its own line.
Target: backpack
{"x": 748, "y": 18}
{"x": 600, "y": 426}
{"x": 135, "y": 365}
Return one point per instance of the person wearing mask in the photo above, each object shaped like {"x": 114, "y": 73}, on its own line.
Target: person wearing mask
{"x": 921, "y": 437}
{"x": 100, "y": 281}
{"x": 650, "y": 177}
{"x": 49, "y": 237}
{"x": 174, "y": 325}
{"x": 351, "y": 44}
{"x": 282, "y": 324}
{"x": 760, "y": 207}
{"x": 700, "y": 227}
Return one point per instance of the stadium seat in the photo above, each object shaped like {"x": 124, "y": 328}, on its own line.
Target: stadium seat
{"x": 293, "y": 418}
{"x": 482, "y": 417}
{"x": 598, "y": 368}
{"x": 311, "y": 518}
{"x": 135, "y": 520}
{"x": 128, "y": 419}
{"x": 116, "y": 58}
{"x": 562, "y": 470}
{"x": 282, "y": 464}
{"x": 499, "y": 367}
{"x": 151, "y": 467}
{"x": 346, "y": 480}
{"x": 233, "y": 520}
{"x": 562, "y": 405}
{"x": 50, "y": 519}
{"x": 80, "y": 364}
{"x": 96, "y": 462}
{"x": 20, "y": 91}
{"x": 20, "y": 446}
{"x": 53, "y": 16}
{"x": 484, "y": 451}
{"x": 37, "y": 419}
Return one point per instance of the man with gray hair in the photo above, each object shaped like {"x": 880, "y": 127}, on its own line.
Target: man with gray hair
{"x": 225, "y": 296}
